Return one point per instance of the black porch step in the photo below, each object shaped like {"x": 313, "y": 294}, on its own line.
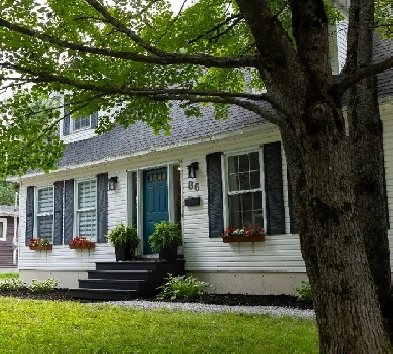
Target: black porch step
{"x": 104, "y": 294}
{"x": 123, "y": 284}
{"x": 139, "y": 274}
{"x": 127, "y": 265}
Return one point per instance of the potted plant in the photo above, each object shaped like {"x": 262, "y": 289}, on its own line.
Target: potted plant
{"x": 165, "y": 239}
{"x": 125, "y": 240}
{"x": 80, "y": 243}
{"x": 40, "y": 244}
{"x": 245, "y": 234}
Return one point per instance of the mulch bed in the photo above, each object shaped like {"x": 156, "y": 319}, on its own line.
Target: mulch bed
{"x": 213, "y": 299}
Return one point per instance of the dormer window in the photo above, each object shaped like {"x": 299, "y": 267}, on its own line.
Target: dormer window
{"x": 71, "y": 125}
{"x": 81, "y": 123}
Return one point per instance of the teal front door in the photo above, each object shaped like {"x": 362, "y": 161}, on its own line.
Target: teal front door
{"x": 155, "y": 202}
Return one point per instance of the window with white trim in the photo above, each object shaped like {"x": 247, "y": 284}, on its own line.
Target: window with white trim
{"x": 81, "y": 123}
{"x": 244, "y": 190}
{"x": 86, "y": 209}
{"x": 3, "y": 229}
{"x": 44, "y": 215}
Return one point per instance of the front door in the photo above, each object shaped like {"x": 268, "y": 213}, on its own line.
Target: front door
{"x": 155, "y": 202}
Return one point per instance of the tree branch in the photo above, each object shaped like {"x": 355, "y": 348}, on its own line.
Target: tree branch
{"x": 39, "y": 77}
{"x": 345, "y": 81}
{"x": 170, "y": 59}
{"x": 124, "y": 29}
{"x": 217, "y": 27}
{"x": 173, "y": 21}
{"x": 250, "y": 106}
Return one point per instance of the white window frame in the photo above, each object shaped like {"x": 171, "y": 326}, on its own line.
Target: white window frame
{"x": 76, "y": 210}
{"x": 4, "y": 221}
{"x": 73, "y": 129}
{"x": 36, "y": 214}
{"x": 225, "y": 182}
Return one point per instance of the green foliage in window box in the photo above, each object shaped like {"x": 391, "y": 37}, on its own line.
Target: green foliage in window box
{"x": 182, "y": 287}
{"x": 44, "y": 286}
{"x": 11, "y": 284}
{"x": 121, "y": 235}
{"x": 166, "y": 234}
{"x": 303, "y": 292}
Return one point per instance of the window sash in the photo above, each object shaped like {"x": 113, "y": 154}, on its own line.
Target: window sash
{"x": 3, "y": 229}
{"x": 86, "y": 209}
{"x": 249, "y": 215}
{"x": 81, "y": 123}
{"x": 44, "y": 215}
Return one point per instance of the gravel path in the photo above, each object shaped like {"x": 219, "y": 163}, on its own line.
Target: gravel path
{"x": 197, "y": 307}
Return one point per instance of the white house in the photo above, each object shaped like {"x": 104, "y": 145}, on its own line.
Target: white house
{"x": 241, "y": 179}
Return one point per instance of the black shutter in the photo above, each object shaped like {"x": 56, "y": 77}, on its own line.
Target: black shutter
{"x": 214, "y": 186}
{"x": 58, "y": 188}
{"x": 66, "y": 122}
{"x": 94, "y": 120}
{"x": 274, "y": 189}
{"x": 29, "y": 214}
{"x": 291, "y": 203}
{"x": 102, "y": 207}
{"x": 68, "y": 211}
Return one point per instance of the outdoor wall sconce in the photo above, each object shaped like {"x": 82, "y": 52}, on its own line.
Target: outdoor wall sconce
{"x": 192, "y": 168}
{"x": 112, "y": 183}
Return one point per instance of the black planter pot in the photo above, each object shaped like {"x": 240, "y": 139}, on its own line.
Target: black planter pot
{"x": 123, "y": 252}
{"x": 168, "y": 253}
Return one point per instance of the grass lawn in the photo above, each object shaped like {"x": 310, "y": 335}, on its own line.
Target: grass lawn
{"x": 34, "y": 326}
{"x": 9, "y": 275}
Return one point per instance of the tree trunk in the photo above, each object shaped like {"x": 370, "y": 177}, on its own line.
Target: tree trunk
{"x": 348, "y": 314}
{"x": 366, "y": 134}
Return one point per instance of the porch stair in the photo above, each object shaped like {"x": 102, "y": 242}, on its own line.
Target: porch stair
{"x": 127, "y": 280}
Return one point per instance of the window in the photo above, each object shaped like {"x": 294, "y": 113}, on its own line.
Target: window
{"x": 45, "y": 213}
{"x": 3, "y": 229}
{"x": 244, "y": 190}
{"x": 86, "y": 216}
{"x": 82, "y": 123}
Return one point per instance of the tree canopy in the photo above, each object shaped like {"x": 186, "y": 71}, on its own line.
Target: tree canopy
{"x": 133, "y": 60}
{"x": 129, "y": 62}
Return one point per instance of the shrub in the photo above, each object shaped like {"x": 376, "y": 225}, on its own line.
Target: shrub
{"x": 9, "y": 275}
{"x": 182, "y": 287}
{"x": 303, "y": 292}
{"x": 11, "y": 284}
{"x": 44, "y": 286}
{"x": 121, "y": 235}
{"x": 165, "y": 234}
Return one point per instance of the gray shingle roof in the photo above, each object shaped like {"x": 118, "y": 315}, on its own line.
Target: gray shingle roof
{"x": 121, "y": 142}
{"x": 9, "y": 210}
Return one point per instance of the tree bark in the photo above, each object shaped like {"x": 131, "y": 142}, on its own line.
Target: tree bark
{"x": 347, "y": 308}
{"x": 365, "y": 132}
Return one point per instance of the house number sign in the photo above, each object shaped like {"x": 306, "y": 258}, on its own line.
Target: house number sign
{"x": 193, "y": 186}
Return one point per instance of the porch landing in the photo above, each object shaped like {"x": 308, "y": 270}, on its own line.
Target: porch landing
{"x": 127, "y": 280}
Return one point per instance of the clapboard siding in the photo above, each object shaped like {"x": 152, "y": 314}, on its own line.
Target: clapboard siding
{"x": 6, "y": 246}
{"x": 277, "y": 253}
{"x": 342, "y": 30}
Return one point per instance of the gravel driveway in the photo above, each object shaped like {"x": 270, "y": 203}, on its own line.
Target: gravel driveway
{"x": 197, "y": 307}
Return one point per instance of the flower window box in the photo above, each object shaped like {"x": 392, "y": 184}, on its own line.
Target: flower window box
{"x": 253, "y": 234}
{"x": 80, "y": 243}
{"x": 40, "y": 248}
{"x": 40, "y": 244}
